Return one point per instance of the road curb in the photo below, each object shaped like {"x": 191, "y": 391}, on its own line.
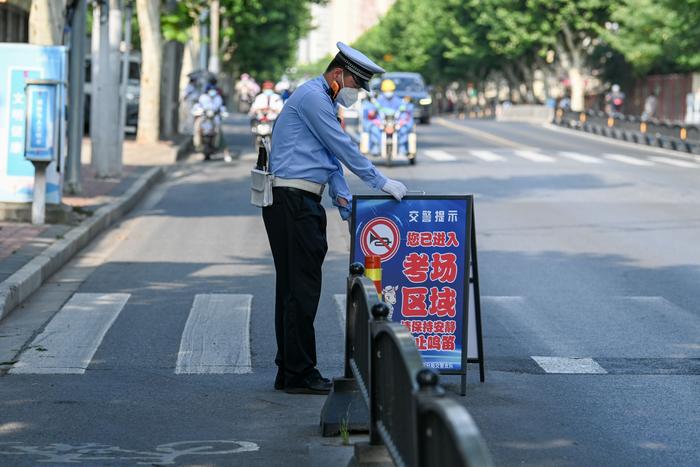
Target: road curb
{"x": 20, "y": 285}
{"x": 621, "y": 143}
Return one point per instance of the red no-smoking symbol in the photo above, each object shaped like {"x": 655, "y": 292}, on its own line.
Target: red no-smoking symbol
{"x": 380, "y": 237}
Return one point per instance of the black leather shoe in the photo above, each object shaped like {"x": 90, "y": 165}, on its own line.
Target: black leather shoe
{"x": 317, "y": 385}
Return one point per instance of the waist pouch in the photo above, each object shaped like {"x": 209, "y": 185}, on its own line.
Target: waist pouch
{"x": 261, "y": 188}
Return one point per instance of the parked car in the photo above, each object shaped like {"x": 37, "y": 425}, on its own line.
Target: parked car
{"x": 409, "y": 85}
{"x": 133, "y": 92}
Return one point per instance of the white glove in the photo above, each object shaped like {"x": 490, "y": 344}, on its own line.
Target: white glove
{"x": 394, "y": 188}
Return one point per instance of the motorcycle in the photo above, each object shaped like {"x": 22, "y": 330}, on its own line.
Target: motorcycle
{"x": 262, "y": 129}
{"x": 209, "y": 131}
{"x": 389, "y": 143}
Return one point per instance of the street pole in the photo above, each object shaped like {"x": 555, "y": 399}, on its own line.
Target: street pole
{"x": 76, "y": 97}
{"x": 99, "y": 69}
{"x": 39, "y": 200}
{"x": 203, "y": 49}
{"x": 129, "y": 10}
{"x": 104, "y": 102}
{"x": 112, "y": 106}
{"x": 214, "y": 64}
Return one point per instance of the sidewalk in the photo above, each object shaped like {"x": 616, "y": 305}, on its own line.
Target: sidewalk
{"x": 20, "y": 243}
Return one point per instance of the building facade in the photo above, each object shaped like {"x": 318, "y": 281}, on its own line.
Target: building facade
{"x": 339, "y": 20}
{"x": 14, "y": 20}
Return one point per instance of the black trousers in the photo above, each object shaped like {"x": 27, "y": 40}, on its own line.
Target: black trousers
{"x": 296, "y": 228}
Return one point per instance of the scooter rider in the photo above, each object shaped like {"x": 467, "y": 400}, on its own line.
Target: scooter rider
{"x": 268, "y": 104}
{"x": 209, "y": 100}
{"x": 389, "y": 103}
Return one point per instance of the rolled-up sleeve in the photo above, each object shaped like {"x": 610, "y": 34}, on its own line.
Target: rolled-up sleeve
{"x": 318, "y": 115}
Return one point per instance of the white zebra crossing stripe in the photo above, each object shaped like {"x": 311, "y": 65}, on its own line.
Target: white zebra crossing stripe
{"x": 439, "y": 155}
{"x": 628, "y": 160}
{"x": 216, "y": 338}
{"x": 340, "y": 309}
{"x": 487, "y": 156}
{"x": 569, "y": 366}
{"x": 578, "y": 157}
{"x": 70, "y": 340}
{"x": 675, "y": 162}
{"x": 534, "y": 156}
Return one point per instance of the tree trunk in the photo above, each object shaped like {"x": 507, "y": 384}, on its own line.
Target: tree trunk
{"x": 151, "y": 60}
{"x": 574, "y": 67}
{"x": 46, "y": 22}
{"x": 214, "y": 15}
{"x": 577, "y": 89}
{"x": 512, "y": 81}
{"x": 528, "y": 80}
{"x": 190, "y": 59}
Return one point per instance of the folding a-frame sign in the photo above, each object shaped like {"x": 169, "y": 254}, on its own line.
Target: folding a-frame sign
{"x": 430, "y": 278}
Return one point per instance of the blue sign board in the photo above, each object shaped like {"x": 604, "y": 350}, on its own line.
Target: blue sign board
{"x": 424, "y": 243}
{"x": 41, "y": 122}
{"x": 20, "y": 64}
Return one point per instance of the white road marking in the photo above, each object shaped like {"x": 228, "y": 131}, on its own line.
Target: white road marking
{"x": 578, "y": 157}
{"x": 70, "y": 340}
{"x": 439, "y": 155}
{"x": 675, "y": 162}
{"x": 628, "y": 160}
{"x": 340, "y": 309}
{"x": 487, "y": 156}
{"x": 534, "y": 156}
{"x": 249, "y": 156}
{"x": 570, "y": 366}
{"x": 216, "y": 338}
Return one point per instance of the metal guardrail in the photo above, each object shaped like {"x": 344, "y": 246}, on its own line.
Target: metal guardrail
{"x": 658, "y": 133}
{"x": 408, "y": 410}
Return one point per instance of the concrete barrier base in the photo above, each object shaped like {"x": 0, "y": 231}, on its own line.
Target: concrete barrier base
{"x": 344, "y": 405}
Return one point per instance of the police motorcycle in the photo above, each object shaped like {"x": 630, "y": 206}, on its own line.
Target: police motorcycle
{"x": 390, "y": 124}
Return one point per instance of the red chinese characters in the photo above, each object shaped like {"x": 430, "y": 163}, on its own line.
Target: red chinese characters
{"x": 432, "y": 239}
{"x": 413, "y": 301}
{"x": 418, "y": 326}
{"x": 443, "y": 302}
{"x": 416, "y": 267}
{"x": 444, "y": 267}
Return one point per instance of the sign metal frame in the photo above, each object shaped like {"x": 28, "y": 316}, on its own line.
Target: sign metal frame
{"x": 471, "y": 279}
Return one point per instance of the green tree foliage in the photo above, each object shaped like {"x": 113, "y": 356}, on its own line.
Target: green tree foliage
{"x": 657, "y": 35}
{"x": 408, "y": 37}
{"x": 469, "y": 39}
{"x": 257, "y": 36}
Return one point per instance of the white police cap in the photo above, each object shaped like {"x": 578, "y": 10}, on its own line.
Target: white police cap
{"x": 357, "y": 63}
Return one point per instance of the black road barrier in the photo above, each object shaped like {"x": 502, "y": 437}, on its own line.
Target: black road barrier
{"x": 409, "y": 412}
{"x": 651, "y": 132}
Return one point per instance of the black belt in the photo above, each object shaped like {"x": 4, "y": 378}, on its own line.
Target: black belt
{"x": 313, "y": 196}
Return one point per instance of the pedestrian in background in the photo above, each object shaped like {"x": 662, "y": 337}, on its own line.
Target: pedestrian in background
{"x": 308, "y": 146}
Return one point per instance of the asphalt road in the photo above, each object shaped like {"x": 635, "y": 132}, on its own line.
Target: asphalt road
{"x": 587, "y": 250}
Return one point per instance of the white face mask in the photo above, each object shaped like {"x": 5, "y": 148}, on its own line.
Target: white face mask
{"x": 346, "y": 96}
{"x": 389, "y": 94}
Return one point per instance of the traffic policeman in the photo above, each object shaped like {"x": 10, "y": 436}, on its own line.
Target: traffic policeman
{"x": 308, "y": 147}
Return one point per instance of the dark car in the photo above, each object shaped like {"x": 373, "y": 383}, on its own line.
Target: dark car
{"x": 133, "y": 91}
{"x": 409, "y": 85}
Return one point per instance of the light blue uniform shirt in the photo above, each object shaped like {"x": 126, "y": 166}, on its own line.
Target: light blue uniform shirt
{"x": 308, "y": 143}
